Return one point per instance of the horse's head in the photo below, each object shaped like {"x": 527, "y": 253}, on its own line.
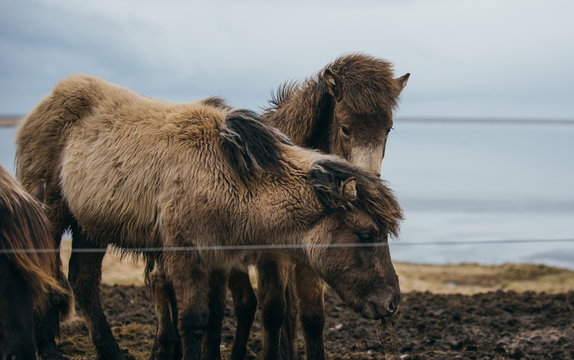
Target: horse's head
{"x": 364, "y": 95}
{"x": 349, "y": 246}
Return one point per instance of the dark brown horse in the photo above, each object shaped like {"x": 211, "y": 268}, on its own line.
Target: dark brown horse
{"x": 26, "y": 276}
{"x": 124, "y": 169}
{"x": 346, "y": 109}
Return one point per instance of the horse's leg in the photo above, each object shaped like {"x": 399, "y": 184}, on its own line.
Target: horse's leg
{"x": 47, "y": 320}
{"x": 212, "y": 339}
{"x": 288, "y": 337}
{"x": 244, "y": 305}
{"x": 174, "y": 315}
{"x": 191, "y": 287}
{"x": 273, "y": 275}
{"x": 310, "y": 290}
{"x": 85, "y": 273}
{"x": 17, "y": 319}
{"x": 166, "y": 343}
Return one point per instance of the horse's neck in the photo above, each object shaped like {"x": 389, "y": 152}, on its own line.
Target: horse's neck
{"x": 305, "y": 114}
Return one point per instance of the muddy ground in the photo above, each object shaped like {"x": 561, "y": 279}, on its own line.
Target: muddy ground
{"x": 493, "y": 325}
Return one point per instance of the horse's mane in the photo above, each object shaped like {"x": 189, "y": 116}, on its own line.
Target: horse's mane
{"x": 217, "y": 102}
{"x": 281, "y": 95}
{"x": 251, "y": 144}
{"x": 373, "y": 196}
{"x": 25, "y": 226}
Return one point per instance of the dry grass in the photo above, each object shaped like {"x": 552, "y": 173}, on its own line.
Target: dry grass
{"x": 445, "y": 279}
{"x": 116, "y": 270}
{"x": 475, "y": 278}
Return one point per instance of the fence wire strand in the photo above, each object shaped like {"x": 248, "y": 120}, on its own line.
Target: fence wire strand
{"x": 281, "y": 246}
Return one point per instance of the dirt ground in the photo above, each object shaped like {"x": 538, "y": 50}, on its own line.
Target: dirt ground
{"x": 475, "y": 312}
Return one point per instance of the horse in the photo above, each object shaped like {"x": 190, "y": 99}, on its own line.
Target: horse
{"x": 346, "y": 109}
{"x": 26, "y": 276}
{"x": 140, "y": 173}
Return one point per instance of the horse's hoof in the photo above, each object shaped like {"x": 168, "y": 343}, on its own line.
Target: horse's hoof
{"x": 163, "y": 356}
{"x": 52, "y": 354}
{"x": 126, "y": 355}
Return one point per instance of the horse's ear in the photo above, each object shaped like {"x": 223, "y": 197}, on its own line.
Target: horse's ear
{"x": 402, "y": 81}
{"x": 333, "y": 83}
{"x": 349, "y": 190}
{"x": 335, "y": 185}
{"x": 39, "y": 191}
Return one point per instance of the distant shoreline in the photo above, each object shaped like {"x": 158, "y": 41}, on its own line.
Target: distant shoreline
{"x": 470, "y": 120}
{"x": 9, "y": 120}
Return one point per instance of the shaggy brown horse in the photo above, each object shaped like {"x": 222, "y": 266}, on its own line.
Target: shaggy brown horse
{"x": 136, "y": 172}
{"x": 346, "y": 109}
{"x": 26, "y": 276}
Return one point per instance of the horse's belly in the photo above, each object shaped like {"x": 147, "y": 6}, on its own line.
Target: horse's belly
{"x": 107, "y": 195}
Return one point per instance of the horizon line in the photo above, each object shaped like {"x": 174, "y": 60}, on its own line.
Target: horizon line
{"x": 12, "y": 120}
{"x": 483, "y": 120}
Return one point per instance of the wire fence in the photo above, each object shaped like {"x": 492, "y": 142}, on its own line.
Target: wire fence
{"x": 283, "y": 246}
{"x": 11, "y": 121}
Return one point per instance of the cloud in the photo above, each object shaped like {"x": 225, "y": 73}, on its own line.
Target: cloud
{"x": 489, "y": 58}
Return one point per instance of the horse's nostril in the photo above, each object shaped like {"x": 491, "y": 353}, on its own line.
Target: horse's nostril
{"x": 393, "y": 305}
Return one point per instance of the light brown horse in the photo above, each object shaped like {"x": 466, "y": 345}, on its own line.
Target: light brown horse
{"x": 26, "y": 273}
{"x": 346, "y": 109}
{"x": 136, "y": 172}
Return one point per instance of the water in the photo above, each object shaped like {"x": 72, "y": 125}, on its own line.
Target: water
{"x": 472, "y": 182}
{"x": 483, "y": 182}
{"x": 7, "y": 147}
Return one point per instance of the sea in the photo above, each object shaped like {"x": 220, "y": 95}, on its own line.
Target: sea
{"x": 487, "y": 192}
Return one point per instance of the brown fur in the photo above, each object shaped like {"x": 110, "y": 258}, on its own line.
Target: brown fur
{"x": 347, "y": 105}
{"x": 26, "y": 273}
{"x": 136, "y": 172}
{"x": 346, "y": 109}
{"x": 25, "y": 227}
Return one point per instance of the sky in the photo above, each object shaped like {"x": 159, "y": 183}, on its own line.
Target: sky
{"x": 467, "y": 59}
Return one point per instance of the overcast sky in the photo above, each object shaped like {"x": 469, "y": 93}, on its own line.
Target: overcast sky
{"x": 490, "y": 58}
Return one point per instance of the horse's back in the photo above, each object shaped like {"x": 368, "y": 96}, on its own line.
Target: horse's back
{"x": 118, "y": 160}
{"x": 92, "y": 105}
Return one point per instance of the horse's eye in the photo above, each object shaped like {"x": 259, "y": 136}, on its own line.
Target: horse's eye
{"x": 345, "y": 130}
{"x": 366, "y": 237}
{"x": 389, "y": 130}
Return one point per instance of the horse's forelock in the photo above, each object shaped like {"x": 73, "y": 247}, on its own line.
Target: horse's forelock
{"x": 368, "y": 80}
{"x": 379, "y": 201}
{"x": 373, "y": 196}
